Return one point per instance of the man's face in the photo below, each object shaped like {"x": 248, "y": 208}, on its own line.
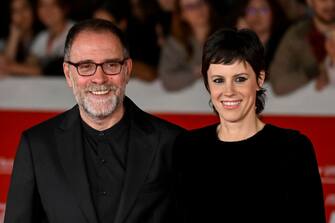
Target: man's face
{"x": 324, "y": 10}
{"x": 100, "y": 95}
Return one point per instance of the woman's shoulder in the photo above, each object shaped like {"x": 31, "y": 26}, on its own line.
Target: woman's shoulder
{"x": 288, "y": 135}
{"x": 205, "y": 130}
{"x": 206, "y": 133}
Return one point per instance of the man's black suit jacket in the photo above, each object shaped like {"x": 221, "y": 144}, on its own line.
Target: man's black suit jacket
{"x": 49, "y": 181}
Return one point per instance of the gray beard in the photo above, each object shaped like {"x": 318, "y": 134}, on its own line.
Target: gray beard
{"x": 99, "y": 109}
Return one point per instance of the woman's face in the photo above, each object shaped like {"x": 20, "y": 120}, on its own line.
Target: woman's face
{"x": 195, "y": 12}
{"x": 233, "y": 90}
{"x": 21, "y": 14}
{"x": 50, "y": 12}
{"x": 258, "y": 16}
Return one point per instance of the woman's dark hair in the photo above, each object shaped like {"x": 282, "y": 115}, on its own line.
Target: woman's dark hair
{"x": 226, "y": 46}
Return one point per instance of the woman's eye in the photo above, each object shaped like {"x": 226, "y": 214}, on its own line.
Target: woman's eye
{"x": 218, "y": 80}
{"x": 240, "y": 79}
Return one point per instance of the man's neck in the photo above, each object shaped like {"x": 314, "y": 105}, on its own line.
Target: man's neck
{"x": 102, "y": 123}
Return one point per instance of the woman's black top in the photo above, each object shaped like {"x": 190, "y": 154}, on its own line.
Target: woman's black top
{"x": 270, "y": 177}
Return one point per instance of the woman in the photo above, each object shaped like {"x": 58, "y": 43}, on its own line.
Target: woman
{"x": 242, "y": 168}
{"x": 267, "y": 19}
{"x": 46, "y": 51}
{"x": 48, "y": 46}
{"x": 180, "y": 59}
{"x": 23, "y": 28}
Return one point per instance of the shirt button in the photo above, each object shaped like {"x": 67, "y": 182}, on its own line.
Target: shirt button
{"x": 104, "y": 193}
{"x": 103, "y": 161}
{"x": 101, "y": 134}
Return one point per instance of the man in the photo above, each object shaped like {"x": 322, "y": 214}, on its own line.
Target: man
{"x": 104, "y": 160}
{"x": 302, "y": 55}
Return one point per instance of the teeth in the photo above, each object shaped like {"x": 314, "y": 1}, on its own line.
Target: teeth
{"x": 100, "y": 92}
{"x": 231, "y": 103}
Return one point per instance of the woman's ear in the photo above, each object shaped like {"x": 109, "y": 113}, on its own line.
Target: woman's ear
{"x": 261, "y": 78}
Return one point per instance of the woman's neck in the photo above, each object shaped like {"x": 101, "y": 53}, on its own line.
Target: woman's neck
{"x": 264, "y": 37}
{"x": 102, "y": 123}
{"x": 232, "y": 132}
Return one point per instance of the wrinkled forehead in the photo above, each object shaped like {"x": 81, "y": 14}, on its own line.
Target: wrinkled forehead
{"x": 96, "y": 44}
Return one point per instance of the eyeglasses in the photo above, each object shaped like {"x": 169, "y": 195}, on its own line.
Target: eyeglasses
{"x": 109, "y": 67}
{"x": 260, "y": 11}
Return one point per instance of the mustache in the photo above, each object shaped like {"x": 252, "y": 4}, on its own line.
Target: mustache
{"x": 101, "y": 87}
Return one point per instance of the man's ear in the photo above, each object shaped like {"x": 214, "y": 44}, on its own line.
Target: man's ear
{"x": 129, "y": 67}
{"x": 67, "y": 74}
{"x": 261, "y": 78}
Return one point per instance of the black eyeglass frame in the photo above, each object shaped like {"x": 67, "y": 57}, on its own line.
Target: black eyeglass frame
{"x": 76, "y": 65}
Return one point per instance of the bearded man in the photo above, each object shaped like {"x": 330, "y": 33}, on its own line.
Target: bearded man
{"x": 104, "y": 160}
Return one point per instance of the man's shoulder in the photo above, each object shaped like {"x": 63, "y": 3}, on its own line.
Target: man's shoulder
{"x": 52, "y": 123}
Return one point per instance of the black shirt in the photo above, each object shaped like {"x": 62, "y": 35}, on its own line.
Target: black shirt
{"x": 105, "y": 156}
{"x": 269, "y": 177}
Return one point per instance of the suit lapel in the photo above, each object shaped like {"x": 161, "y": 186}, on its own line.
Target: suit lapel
{"x": 71, "y": 155}
{"x": 140, "y": 155}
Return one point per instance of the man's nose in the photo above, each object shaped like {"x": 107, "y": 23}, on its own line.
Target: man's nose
{"x": 99, "y": 76}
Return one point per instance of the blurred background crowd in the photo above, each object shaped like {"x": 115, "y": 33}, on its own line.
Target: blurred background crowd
{"x": 166, "y": 36}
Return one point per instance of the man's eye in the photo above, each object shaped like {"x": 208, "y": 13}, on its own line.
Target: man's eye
{"x": 111, "y": 65}
{"x": 85, "y": 66}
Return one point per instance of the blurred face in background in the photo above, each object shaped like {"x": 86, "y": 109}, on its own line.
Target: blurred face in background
{"x": 21, "y": 14}
{"x": 103, "y": 14}
{"x": 51, "y": 13}
{"x": 167, "y": 5}
{"x": 324, "y": 10}
{"x": 195, "y": 12}
{"x": 258, "y": 16}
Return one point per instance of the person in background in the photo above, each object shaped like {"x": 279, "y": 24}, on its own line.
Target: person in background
{"x": 180, "y": 59}
{"x": 23, "y": 28}
{"x": 49, "y": 44}
{"x": 267, "y": 19}
{"x": 115, "y": 11}
{"x": 143, "y": 38}
{"x": 242, "y": 169}
{"x": 118, "y": 13}
{"x": 46, "y": 51}
{"x": 295, "y": 10}
{"x": 104, "y": 160}
{"x": 167, "y": 8}
{"x": 300, "y": 57}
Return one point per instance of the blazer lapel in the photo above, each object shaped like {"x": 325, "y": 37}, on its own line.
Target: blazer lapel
{"x": 140, "y": 155}
{"x": 71, "y": 155}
